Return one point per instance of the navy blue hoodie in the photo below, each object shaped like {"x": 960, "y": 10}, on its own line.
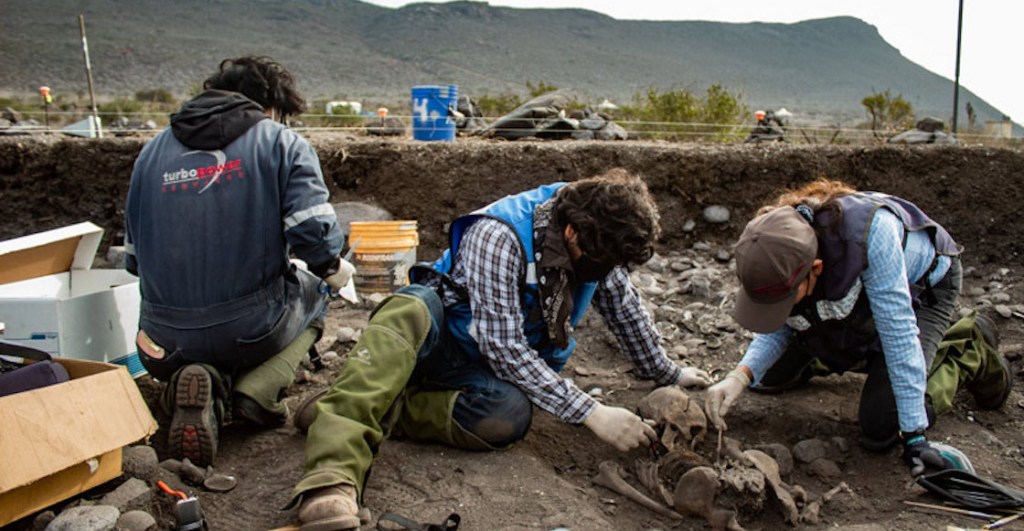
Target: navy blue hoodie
{"x": 217, "y": 201}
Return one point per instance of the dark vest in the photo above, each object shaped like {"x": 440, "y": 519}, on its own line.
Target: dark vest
{"x": 835, "y": 321}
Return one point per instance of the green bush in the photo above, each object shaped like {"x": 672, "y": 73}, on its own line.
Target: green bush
{"x": 679, "y": 114}
{"x": 888, "y": 113}
{"x": 156, "y": 95}
{"x": 120, "y": 107}
{"x": 500, "y": 105}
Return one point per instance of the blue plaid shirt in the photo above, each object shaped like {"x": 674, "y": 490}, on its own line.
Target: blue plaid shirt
{"x": 489, "y": 265}
{"x": 887, "y": 284}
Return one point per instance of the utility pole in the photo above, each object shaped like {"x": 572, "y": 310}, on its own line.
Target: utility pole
{"x": 956, "y": 80}
{"x": 88, "y": 73}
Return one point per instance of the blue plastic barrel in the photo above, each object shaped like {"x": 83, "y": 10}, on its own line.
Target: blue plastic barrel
{"x": 430, "y": 117}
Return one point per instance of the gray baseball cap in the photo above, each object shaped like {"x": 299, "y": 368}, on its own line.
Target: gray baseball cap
{"x": 773, "y": 256}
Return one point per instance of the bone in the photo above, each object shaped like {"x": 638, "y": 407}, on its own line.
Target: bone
{"x": 647, "y": 473}
{"x": 811, "y": 514}
{"x": 770, "y": 469}
{"x": 610, "y": 477}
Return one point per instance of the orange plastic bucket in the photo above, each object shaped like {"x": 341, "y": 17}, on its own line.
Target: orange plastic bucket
{"x": 384, "y": 252}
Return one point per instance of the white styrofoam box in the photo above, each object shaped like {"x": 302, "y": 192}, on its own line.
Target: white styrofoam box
{"x": 79, "y": 313}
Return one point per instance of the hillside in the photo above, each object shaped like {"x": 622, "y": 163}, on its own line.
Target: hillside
{"x": 351, "y": 49}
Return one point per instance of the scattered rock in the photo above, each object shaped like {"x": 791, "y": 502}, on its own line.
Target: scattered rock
{"x": 171, "y": 465}
{"x": 689, "y": 225}
{"x": 42, "y": 520}
{"x": 976, "y": 292}
{"x": 220, "y": 483}
{"x": 115, "y": 255}
{"x": 824, "y": 469}
{"x": 808, "y": 450}
{"x": 701, "y": 246}
{"x": 723, "y": 256}
{"x": 85, "y": 518}
{"x": 346, "y": 334}
{"x": 192, "y": 473}
{"x": 1004, "y": 311}
{"x": 130, "y": 495}
{"x": 716, "y": 214}
{"x": 139, "y": 461}
{"x": 373, "y": 299}
{"x": 841, "y": 444}
{"x": 135, "y": 521}
{"x": 1000, "y": 297}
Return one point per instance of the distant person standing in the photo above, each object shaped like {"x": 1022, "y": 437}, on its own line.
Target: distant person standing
{"x": 215, "y": 204}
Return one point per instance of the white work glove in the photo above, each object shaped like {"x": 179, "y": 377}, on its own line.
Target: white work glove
{"x": 694, "y": 377}
{"x": 342, "y": 277}
{"x": 619, "y": 427}
{"x": 723, "y": 395}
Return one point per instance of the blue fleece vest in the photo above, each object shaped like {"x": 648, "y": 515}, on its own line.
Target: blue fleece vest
{"x": 516, "y": 211}
{"x": 842, "y": 328}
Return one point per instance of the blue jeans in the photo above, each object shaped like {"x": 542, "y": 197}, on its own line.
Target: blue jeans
{"x": 494, "y": 410}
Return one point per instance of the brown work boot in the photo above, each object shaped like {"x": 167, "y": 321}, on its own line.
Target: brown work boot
{"x": 992, "y": 384}
{"x": 194, "y": 423}
{"x": 329, "y": 509}
{"x": 305, "y": 413}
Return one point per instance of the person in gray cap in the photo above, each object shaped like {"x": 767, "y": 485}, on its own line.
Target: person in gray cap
{"x": 835, "y": 280}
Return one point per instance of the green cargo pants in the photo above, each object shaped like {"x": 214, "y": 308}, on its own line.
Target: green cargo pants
{"x": 347, "y": 431}
{"x": 964, "y": 359}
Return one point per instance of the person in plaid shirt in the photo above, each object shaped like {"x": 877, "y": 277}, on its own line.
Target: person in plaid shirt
{"x": 481, "y": 335}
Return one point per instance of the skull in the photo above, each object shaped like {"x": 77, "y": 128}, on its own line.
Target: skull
{"x": 682, "y": 419}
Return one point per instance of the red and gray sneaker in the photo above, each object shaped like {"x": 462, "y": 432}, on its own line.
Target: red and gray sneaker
{"x": 194, "y": 426}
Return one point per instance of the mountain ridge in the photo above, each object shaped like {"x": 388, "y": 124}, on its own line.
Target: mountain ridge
{"x": 352, "y": 49}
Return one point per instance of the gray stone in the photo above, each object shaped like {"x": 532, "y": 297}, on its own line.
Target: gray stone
{"x": 139, "y": 461}
{"x": 716, "y": 214}
{"x": 841, "y": 444}
{"x": 1004, "y": 311}
{"x": 171, "y": 465}
{"x": 10, "y": 115}
{"x": 808, "y": 450}
{"x": 701, "y": 246}
{"x": 976, "y": 292}
{"x": 781, "y": 455}
{"x": 689, "y": 225}
{"x": 115, "y": 255}
{"x": 135, "y": 521}
{"x": 1000, "y": 297}
{"x": 42, "y": 520}
{"x": 701, "y": 287}
{"x": 130, "y": 495}
{"x": 824, "y": 469}
{"x": 373, "y": 299}
{"x": 723, "y": 256}
{"x": 653, "y": 291}
{"x": 388, "y": 126}
{"x": 91, "y": 518}
{"x": 611, "y": 131}
{"x": 346, "y": 334}
{"x": 655, "y": 264}
{"x": 679, "y": 267}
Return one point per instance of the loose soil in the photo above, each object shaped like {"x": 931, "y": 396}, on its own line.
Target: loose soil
{"x": 545, "y": 481}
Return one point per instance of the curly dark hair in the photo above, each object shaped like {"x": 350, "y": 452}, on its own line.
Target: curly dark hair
{"x": 261, "y": 79}
{"x": 614, "y": 215}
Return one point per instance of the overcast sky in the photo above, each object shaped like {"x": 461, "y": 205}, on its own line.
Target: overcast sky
{"x": 924, "y": 31}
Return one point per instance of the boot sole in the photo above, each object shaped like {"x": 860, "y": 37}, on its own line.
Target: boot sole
{"x": 193, "y": 429}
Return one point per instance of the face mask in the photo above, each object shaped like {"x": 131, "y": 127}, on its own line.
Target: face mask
{"x": 589, "y": 270}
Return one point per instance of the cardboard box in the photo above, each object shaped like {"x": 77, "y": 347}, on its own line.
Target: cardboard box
{"x": 61, "y": 440}
{"x": 51, "y": 299}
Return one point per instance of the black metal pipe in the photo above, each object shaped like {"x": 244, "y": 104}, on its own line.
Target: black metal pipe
{"x": 956, "y": 80}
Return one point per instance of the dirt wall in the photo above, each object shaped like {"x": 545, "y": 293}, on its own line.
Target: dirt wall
{"x": 977, "y": 193}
